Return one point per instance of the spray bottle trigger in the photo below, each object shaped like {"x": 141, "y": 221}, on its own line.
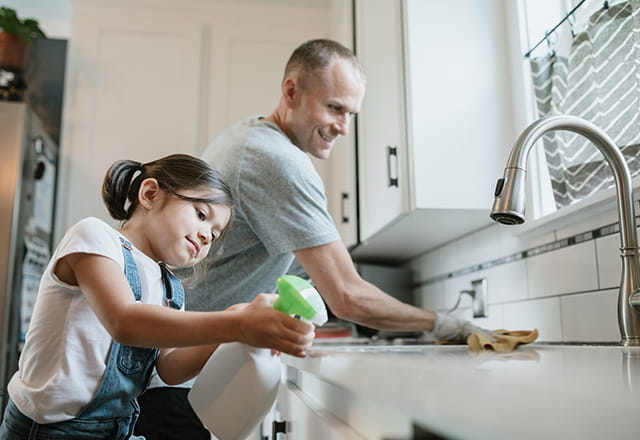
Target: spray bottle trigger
{"x": 298, "y": 297}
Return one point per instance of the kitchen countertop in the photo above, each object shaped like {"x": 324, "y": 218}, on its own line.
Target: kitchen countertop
{"x": 537, "y": 391}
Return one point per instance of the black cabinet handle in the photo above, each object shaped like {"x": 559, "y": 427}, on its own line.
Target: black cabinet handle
{"x": 343, "y": 207}
{"x": 278, "y": 428}
{"x": 392, "y": 165}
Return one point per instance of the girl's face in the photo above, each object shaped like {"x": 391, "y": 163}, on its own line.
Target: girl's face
{"x": 180, "y": 232}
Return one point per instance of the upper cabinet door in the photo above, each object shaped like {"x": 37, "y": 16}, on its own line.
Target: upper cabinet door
{"x": 382, "y": 145}
{"x": 459, "y": 100}
{"x": 435, "y": 123}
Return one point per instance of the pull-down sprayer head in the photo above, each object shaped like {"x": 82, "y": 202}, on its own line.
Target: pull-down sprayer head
{"x": 509, "y": 202}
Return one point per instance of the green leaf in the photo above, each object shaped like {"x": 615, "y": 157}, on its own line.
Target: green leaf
{"x": 27, "y": 29}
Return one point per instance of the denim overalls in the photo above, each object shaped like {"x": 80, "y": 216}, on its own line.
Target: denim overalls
{"x": 113, "y": 412}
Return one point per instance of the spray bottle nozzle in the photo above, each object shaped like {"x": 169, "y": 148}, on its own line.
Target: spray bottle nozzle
{"x": 298, "y": 297}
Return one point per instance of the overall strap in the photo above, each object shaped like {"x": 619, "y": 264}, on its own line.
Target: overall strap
{"x": 173, "y": 289}
{"x": 131, "y": 270}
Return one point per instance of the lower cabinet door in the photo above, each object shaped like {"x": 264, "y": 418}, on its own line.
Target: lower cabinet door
{"x": 298, "y": 417}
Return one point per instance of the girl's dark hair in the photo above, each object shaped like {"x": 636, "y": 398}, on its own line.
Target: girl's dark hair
{"x": 174, "y": 174}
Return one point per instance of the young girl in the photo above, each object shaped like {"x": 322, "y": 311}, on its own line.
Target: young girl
{"x": 107, "y": 301}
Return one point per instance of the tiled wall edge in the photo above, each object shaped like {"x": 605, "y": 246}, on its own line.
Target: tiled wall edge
{"x": 547, "y": 247}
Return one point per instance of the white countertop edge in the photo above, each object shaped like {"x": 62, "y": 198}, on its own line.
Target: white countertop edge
{"x": 466, "y": 397}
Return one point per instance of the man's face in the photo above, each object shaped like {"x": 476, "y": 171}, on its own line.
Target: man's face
{"x": 323, "y": 110}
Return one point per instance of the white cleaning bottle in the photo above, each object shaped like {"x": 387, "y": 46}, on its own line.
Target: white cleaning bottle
{"x": 239, "y": 383}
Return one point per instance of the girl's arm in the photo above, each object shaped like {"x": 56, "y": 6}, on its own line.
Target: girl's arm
{"x": 105, "y": 287}
{"x": 178, "y": 365}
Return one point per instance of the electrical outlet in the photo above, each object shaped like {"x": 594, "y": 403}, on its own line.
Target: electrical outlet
{"x": 479, "y": 295}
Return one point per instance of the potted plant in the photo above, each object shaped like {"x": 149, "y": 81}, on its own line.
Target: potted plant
{"x": 15, "y": 35}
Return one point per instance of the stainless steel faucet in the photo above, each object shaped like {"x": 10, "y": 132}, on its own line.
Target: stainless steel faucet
{"x": 509, "y": 206}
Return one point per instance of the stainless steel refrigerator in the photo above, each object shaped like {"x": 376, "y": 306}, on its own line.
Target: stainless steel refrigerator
{"x": 28, "y": 167}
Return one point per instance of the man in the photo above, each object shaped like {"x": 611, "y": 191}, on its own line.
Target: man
{"x": 281, "y": 206}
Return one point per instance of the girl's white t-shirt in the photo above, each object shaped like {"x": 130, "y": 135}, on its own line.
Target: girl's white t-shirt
{"x": 66, "y": 348}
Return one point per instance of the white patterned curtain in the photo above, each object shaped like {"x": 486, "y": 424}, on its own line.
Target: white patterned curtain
{"x": 600, "y": 82}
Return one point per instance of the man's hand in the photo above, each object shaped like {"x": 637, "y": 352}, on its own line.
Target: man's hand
{"x": 450, "y": 329}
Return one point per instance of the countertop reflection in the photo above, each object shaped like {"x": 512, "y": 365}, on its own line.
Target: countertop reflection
{"x": 536, "y": 391}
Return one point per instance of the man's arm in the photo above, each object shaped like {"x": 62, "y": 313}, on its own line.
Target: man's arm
{"x": 352, "y": 298}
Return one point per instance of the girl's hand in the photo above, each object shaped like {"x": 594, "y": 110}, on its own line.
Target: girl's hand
{"x": 237, "y": 307}
{"x": 263, "y": 326}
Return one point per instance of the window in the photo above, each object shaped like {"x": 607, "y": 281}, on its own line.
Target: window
{"x": 582, "y": 64}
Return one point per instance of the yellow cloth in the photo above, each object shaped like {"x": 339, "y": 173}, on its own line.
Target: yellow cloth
{"x": 505, "y": 340}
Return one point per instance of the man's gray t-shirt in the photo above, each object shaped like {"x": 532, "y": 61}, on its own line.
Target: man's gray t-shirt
{"x": 280, "y": 206}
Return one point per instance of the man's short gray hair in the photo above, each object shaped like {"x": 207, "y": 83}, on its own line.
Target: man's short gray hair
{"x": 314, "y": 57}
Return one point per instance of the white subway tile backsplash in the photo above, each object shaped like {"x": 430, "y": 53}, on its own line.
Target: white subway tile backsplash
{"x": 566, "y": 270}
{"x": 609, "y": 261}
{"x": 433, "y": 263}
{"x": 543, "y": 314}
{"x": 494, "y": 319}
{"x": 508, "y": 240}
{"x": 608, "y": 215}
{"x": 478, "y": 248}
{"x": 430, "y": 296}
{"x": 506, "y": 282}
{"x": 590, "y": 317}
{"x": 568, "y": 293}
{"x": 511, "y": 238}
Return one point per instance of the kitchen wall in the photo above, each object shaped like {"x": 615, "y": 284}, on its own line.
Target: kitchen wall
{"x": 561, "y": 278}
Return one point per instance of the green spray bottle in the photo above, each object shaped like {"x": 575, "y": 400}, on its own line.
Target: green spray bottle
{"x": 297, "y": 297}
{"x": 239, "y": 383}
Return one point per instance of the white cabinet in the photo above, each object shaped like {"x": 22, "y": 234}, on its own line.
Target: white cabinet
{"x": 302, "y": 418}
{"x": 435, "y": 122}
{"x": 382, "y": 145}
{"x": 150, "y": 78}
{"x": 316, "y": 409}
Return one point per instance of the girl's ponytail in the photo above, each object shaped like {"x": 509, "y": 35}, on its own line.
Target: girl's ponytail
{"x": 118, "y": 193}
